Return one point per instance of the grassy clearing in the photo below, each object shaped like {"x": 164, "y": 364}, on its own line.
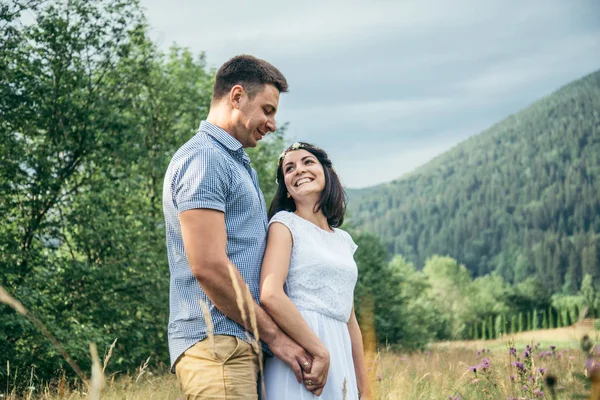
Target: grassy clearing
{"x": 441, "y": 372}
{"x": 444, "y": 371}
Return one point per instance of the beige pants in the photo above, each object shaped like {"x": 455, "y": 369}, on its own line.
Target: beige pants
{"x": 227, "y": 370}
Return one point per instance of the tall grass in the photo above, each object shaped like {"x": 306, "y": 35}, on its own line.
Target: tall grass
{"x": 517, "y": 366}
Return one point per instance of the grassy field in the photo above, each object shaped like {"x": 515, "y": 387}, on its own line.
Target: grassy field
{"x": 444, "y": 371}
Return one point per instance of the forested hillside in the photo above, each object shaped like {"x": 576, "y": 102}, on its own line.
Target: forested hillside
{"x": 522, "y": 198}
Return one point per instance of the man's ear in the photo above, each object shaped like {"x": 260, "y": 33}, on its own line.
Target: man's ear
{"x": 235, "y": 96}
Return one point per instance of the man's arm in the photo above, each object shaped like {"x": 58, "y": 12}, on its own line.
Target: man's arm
{"x": 205, "y": 241}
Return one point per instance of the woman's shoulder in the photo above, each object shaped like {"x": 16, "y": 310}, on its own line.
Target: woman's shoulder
{"x": 283, "y": 214}
{"x": 347, "y": 238}
{"x": 284, "y": 217}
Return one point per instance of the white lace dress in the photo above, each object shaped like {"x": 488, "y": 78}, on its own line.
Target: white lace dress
{"x": 321, "y": 279}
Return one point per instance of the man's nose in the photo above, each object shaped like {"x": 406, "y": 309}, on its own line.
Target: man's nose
{"x": 271, "y": 125}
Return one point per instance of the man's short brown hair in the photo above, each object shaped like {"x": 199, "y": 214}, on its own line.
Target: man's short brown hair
{"x": 251, "y": 73}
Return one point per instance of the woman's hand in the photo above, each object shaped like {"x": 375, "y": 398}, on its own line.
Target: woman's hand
{"x": 317, "y": 378}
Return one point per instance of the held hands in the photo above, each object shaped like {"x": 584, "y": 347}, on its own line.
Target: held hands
{"x": 316, "y": 378}
{"x": 292, "y": 354}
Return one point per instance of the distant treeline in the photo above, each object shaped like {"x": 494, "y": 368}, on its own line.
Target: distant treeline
{"x": 443, "y": 302}
{"x": 521, "y": 199}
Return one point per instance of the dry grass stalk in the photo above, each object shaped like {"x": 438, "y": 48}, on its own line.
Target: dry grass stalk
{"x": 7, "y": 374}
{"x": 249, "y": 316}
{"x": 367, "y": 327}
{"x": 256, "y": 342}
{"x": 96, "y": 383}
{"x": 108, "y": 355}
{"x": 142, "y": 370}
{"x": 62, "y": 385}
{"x": 239, "y": 295}
{"x": 30, "y": 388}
{"x": 209, "y": 325}
{"x": 6, "y": 298}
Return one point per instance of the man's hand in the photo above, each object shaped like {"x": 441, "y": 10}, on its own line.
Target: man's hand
{"x": 316, "y": 379}
{"x": 292, "y": 354}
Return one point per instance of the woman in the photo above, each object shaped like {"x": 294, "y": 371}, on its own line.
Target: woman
{"x": 308, "y": 278}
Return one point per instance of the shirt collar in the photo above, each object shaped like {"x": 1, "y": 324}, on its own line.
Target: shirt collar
{"x": 221, "y": 136}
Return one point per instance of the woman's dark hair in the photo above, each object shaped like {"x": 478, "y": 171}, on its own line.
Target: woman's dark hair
{"x": 333, "y": 198}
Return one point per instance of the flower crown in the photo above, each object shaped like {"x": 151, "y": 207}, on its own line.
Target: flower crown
{"x": 295, "y": 146}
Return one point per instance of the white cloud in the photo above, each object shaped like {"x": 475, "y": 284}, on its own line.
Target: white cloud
{"x": 383, "y": 75}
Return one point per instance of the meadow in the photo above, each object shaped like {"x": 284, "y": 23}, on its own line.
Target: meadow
{"x": 513, "y": 367}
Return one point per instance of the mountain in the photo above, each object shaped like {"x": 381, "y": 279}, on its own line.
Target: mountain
{"x": 521, "y": 198}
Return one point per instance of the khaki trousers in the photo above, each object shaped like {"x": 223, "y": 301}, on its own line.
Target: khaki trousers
{"x": 226, "y": 370}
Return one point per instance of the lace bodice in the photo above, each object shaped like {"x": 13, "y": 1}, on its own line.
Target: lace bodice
{"x": 322, "y": 272}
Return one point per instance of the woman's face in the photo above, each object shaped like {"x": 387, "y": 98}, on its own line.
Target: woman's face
{"x": 303, "y": 174}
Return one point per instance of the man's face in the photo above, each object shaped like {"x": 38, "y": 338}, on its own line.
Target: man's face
{"x": 255, "y": 117}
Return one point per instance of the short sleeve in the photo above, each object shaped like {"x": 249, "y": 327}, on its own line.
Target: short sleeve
{"x": 202, "y": 181}
{"x": 285, "y": 218}
{"x": 351, "y": 243}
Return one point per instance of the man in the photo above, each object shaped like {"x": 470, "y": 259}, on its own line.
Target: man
{"x": 216, "y": 225}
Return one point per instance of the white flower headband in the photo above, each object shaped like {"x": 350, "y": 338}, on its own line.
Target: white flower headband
{"x": 295, "y": 146}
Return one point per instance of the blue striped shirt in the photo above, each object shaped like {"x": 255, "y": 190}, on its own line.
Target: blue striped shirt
{"x": 211, "y": 171}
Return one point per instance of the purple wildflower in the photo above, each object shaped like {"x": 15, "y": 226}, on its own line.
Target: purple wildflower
{"x": 513, "y": 351}
{"x": 548, "y": 353}
{"x": 519, "y": 366}
{"x": 485, "y": 364}
{"x": 542, "y": 371}
{"x": 538, "y": 393}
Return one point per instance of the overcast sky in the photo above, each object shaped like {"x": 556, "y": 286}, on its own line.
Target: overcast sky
{"x": 384, "y": 86}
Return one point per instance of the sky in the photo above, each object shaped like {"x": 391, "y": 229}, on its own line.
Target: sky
{"x": 384, "y": 86}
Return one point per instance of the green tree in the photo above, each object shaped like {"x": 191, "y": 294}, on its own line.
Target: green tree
{"x": 499, "y": 326}
{"x": 449, "y": 285}
{"x": 521, "y": 322}
{"x": 589, "y": 296}
{"x": 92, "y": 114}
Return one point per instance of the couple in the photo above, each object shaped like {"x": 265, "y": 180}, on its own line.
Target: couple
{"x": 303, "y": 274}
